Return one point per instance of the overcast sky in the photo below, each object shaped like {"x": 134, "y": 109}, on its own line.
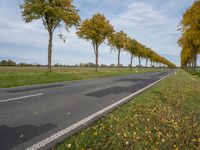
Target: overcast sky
{"x": 154, "y": 23}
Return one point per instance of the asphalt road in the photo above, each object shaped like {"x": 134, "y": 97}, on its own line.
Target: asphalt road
{"x": 38, "y": 117}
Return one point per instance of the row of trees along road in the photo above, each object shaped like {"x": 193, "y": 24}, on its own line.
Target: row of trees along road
{"x": 190, "y": 39}
{"x": 97, "y": 30}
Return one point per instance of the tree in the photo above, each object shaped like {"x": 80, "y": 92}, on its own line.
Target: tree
{"x": 140, "y": 53}
{"x": 52, "y": 13}
{"x": 131, "y": 47}
{"x": 4, "y": 63}
{"x": 11, "y": 63}
{"x": 150, "y": 57}
{"x": 118, "y": 42}
{"x": 190, "y": 39}
{"x": 7, "y": 63}
{"x": 190, "y": 42}
{"x": 97, "y": 30}
{"x": 147, "y": 55}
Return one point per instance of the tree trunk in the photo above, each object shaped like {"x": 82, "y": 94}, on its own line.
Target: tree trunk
{"x": 131, "y": 67}
{"x": 97, "y": 58}
{"x": 50, "y": 50}
{"x": 146, "y": 62}
{"x": 96, "y": 66}
{"x": 96, "y": 52}
{"x": 195, "y": 62}
{"x": 118, "y": 59}
{"x": 139, "y": 58}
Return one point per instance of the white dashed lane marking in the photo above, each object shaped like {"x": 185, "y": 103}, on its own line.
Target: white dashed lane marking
{"x": 22, "y": 97}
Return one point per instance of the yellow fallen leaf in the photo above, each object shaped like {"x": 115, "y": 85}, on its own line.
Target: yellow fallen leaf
{"x": 69, "y": 145}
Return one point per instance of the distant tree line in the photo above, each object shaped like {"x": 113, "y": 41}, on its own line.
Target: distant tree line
{"x": 12, "y": 63}
{"x": 97, "y": 30}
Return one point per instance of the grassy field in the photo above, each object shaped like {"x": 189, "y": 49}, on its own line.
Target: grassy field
{"x": 167, "y": 116}
{"x": 20, "y": 76}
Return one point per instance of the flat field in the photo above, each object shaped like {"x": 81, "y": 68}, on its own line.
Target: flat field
{"x": 20, "y": 76}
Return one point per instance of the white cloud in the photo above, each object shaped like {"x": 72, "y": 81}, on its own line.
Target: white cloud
{"x": 139, "y": 13}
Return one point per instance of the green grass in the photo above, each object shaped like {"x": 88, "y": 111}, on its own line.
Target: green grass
{"x": 20, "y": 76}
{"x": 167, "y": 116}
{"x": 197, "y": 72}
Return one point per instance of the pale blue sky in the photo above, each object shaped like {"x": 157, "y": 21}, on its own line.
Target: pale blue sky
{"x": 151, "y": 22}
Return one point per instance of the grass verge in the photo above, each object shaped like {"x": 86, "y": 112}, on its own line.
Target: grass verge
{"x": 196, "y": 73}
{"x": 167, "y": 116}
{"x": 20, "y": 76}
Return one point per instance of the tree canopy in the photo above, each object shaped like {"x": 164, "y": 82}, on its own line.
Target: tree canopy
{"x": 52, "y": 12}
{"x": 118, "y": 40}
{"x": 136, "y": 49}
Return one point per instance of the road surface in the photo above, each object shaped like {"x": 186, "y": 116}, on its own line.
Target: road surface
{"x": 38, "y": 117}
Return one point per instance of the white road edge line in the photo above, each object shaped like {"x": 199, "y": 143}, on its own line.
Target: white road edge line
{"x": 22, "y": 97}
{"x": 87, "y": 119}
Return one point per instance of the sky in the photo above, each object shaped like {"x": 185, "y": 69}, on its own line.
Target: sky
{"x": 153, "y": 23}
